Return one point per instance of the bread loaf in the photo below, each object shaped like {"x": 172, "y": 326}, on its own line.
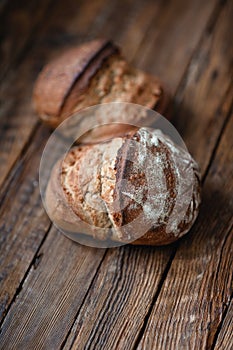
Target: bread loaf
{"x": 139, "y": 188}
{"x": 91, "y": 74}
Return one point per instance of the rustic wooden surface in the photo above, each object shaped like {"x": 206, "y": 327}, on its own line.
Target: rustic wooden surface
{"x": 55, "y": 294}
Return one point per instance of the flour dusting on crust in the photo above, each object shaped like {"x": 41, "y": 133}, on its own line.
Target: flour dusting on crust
{"x": 133, "y": 185}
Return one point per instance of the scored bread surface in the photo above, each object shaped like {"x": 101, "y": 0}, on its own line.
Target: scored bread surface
{"x": 117, "y": 81}
{"x": 91, "y": 74}
{"x": 139, "y": 188}
{"x": 57, "y": 79}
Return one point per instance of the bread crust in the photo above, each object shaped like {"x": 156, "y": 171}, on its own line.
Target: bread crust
{"x": 90, "y": 74}
{"x": 57, "y": 78}
{"x": 64, "y": 214}
{"x": 137, "y": 181}
{"x": 141, "y": 181}
{"x": 56, "y": 205}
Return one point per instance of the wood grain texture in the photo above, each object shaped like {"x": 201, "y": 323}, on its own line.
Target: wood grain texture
{"x": 54, "y": 288}
{"x": 225, "y": 339}
{"x": 84, "y": 330}
{"x": 137, "y": 30}
{"x": 23, "y": 222}
{"x": 19, "y": 129}
{"x": 17, "y": 119}
{"x": 121, "y": 295}
{"x": 177, "y": 21}
{"x": 67, "y": 25}
{"x": 18, "y": 123}
{"x": 51, "y": 295}
{"x": 199, "y": 283}
{"x": 19, "y": 23}
{"x": 205, "y": 93}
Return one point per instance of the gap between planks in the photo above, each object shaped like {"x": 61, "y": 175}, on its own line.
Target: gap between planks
{"x": 169, "y": 322}
{"x": 160, "y": 285}
{"x": 218, "y": 330}
{"x": 222, "y": 341}
{"x": 24, "y": 153}
{"x": 25, "y": 98}
{"x": 206, "y": 172}
{"x": 140, "y": 335}
{"x": 26, "y": 146}
{"x": 228, "y": 96}
{"x": 212, "y": 21}
{"x": 226, "y": 121}
{"x": 95, "y": 27}
{"x": 32, "y": 264}
{"x": 85, "y": 296}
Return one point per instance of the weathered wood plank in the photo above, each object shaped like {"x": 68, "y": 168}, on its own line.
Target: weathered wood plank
{"x": 209, "y": 80}
{"x": 113, "y": 319}
{"x": 122, "y": 293}
{"x": 17, "y": 119}
{"x": 19, "y": 23}
{"x": 20, "y": 122}
{"x": 199, "y": 283}
{"x": 53, "y": 291}
{"x": 112, "y": 334}
{"x": 23, "y": 222}
{"x": 225, "y": 339}
{"x": 165, "y": 50}
{"x": 17, "y": 129}
{"x": 219, "y": 56}
{"x": 17, "y": 307}
{"x": 69, "y": 24}
{"x": 137, "y": 29}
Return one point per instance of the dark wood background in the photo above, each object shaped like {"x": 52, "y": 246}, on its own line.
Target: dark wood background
{"x": 55, "y": 294}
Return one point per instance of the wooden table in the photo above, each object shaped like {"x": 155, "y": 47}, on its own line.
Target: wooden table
{"x": 55, "y": 294}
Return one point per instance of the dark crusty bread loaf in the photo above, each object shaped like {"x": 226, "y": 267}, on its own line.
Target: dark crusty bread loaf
{"x": 140, "y": 188}
{"x": 91, "y": 74}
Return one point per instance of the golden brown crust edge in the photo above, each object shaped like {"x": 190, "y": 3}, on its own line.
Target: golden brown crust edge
{"x": 56, "y": 79}
{"x": 56, "y": 206}
{"x": 65, "y": 80}
{"x": 63, "y": 212}
{"x": 157, "y": 235}
{"x": 64, "y": 216}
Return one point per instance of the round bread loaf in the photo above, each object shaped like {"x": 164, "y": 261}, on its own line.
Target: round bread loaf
{"x": 91, "y": 74}
{"x": 140, "y": 188}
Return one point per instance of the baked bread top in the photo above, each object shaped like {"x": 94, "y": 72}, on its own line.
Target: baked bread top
{"x": 140, "y": 188}
{"x": 90, "y": 74}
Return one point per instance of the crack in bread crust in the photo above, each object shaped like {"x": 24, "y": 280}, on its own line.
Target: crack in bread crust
{"x": 88, "y": 181}
{"x": 91, "y": 74}
{"x": 141, "y": 181}
{"x": 56, "y": 80}
{"x": 117, "y": 81}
